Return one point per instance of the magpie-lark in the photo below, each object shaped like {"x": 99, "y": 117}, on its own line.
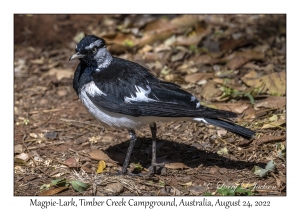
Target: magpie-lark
{"x": 123, "y": 94}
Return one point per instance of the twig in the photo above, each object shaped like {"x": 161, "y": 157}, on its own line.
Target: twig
{"x": 67, "y": 120}
{"x": 38, "y": 147}
{"x": 267, "y": 139}
{"x": 45, "y": 111}
{"x": 35, "y": 164}
{"x": 49, "y": 118}
{"x": 228, "y": 143}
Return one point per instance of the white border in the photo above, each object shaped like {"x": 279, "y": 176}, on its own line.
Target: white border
{"x": 154, "y": 6}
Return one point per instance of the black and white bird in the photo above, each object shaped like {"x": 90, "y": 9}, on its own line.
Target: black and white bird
{"x": 123, "y": 94}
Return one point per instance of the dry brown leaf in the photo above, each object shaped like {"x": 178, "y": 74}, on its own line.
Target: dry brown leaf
{"x": 114, "y": 188}
{"x": 100, "y": 155}
{"x": 23, "y": 157}
{"x": 176, "y": 165}
{"x": 237, "y": 59}
{"x": 38, "y": 61}
{"x": 276, "y": 102}
{"x": 274, "y": 124}
{"x": 197, "y": 190}
{"x": 238, "y": 108}
{"x": 209, "y": 91}
{"x": 232, "y": 44}
{"x": 237, "y": 62}
{"x": 184, "y": 22}
{"x": 249, "y": 114}
{"x": 71, "y": 162}
{"x": 18, "y": 148}
{"x": 86, "y": 169}
{"x": 52, "y": 191}
{"x": 62, "y": 73}
{"x": 202, "y": 59}
{"x": 186, "y": 184}
{"x": 194, "y": 37}
{"x": 194, "y": 78}
{"x": 221, "y": 132}
{"x": 274, "y": 83}
{"x": 122, "y": 39}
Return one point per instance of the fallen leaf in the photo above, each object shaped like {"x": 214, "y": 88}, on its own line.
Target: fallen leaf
{"x": 101, "y": 166}
{"x": 62, "y": 73}
{"x": 221, "y": 132}
{"x": 249, "y": 114}
{"x": 114, "y": 188}
{"x": 238, "y": 108}
{"x": 186, "y": 184}
{"x": 100, "y": 155}
{"x": 197, "y": 190}
{"x": 78, "y": 37}
{"x": 273, "y": 118}
{"x": 174, "y": 191}
{"x": 251, "y": 78}
{"x": 274, "y": 83}
{"x": 86, "y": 169}
{"x": 232, "y": 44}
{"x": 194, "y": 37}
{"x": 23, "y": 157}
{"x": 263, "y": 172}
{"x": 71, "y": 163}
{"x": 276, "y": 102}
{"x": 194, "y": 78}
{"x": 79, "y": 186}
{"x": 260, "y": 171}
{"x": 237, "y": 59}
{"x": 60, "y": 182}
{"x": 38, "y": 61}
{"x": 176, "y": 165}
{"x": 223, "y": 151}
{"x": 209, "y": 91}
{"x": 271, "y": 165}
{"x": 18, "y": 148}
{"x": 52, "y": 191}
{"x": 274, "y": 124}
{"x": 237, "y": 62}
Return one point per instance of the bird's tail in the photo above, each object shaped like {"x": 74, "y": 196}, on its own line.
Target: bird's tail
{"x": 234, "y": 128}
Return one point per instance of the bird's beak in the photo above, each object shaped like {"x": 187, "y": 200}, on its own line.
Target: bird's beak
{"x": 76, "y": 55}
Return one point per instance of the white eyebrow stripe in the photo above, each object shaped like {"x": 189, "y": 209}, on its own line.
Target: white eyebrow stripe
{"x": 95, "y": 43}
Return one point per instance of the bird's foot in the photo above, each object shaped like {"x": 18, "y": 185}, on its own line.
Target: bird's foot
{"x": 156, "y": 168}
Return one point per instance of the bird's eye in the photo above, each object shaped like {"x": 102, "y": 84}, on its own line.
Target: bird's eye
{"x": 94, "y": 50}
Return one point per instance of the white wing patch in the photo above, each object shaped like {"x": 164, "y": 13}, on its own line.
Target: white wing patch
{"x": 92, "y": 89}
{"x": 141, "y": 95}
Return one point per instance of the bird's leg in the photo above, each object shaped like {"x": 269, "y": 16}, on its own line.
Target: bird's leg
{"x": 129, "y": 151}
{"x": 153, "y": 162}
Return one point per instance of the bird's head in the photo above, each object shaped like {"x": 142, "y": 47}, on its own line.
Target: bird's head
{"x": 92, "y": 50}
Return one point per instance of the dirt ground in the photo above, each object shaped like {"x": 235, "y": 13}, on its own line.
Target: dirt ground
{"x": 231, "y": 62}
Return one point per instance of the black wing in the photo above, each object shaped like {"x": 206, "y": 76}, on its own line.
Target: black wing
{"x": 120, "y": 83}
{"x": 168, "y": 100}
